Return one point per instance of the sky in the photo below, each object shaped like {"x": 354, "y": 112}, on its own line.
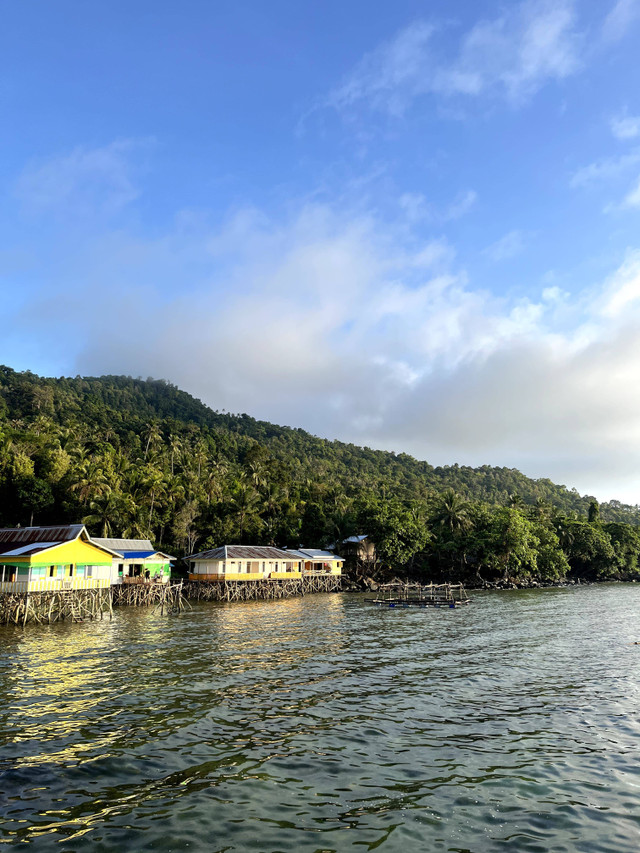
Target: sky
{"x": 410, "y": 225}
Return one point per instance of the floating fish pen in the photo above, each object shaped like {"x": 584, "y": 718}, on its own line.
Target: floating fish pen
{"x": 261, "y": 590}
{"x": 58, "y": 605}
{"x": 165, "y": 597}
{"x": 420, "y": 595}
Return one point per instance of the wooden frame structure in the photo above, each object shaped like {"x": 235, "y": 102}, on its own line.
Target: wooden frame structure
{"x": 400, "y": 594}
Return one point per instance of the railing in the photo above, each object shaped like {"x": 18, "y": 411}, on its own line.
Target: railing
{"x": 228, "y": 576}
{"x": 155, "y": 579}
{"x": 285, "y": 575}
{"x": 320, "y": 573}
{"x": 54, "y": 585}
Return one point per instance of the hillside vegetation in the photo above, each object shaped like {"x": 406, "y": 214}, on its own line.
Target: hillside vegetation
{"x": 142, "y": 458}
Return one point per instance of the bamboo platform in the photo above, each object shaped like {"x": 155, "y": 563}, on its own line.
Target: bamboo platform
{"x": 450, "y": 595}
{"x": 77, "y": 605}
{"x": 262, "y": 590}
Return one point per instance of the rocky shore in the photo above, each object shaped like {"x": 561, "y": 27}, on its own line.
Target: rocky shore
{"x": 369, "y": 584}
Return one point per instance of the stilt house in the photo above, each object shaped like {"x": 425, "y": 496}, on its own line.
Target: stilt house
{"x": 39, "y": 559}
{"x": 316, "y": 561}
{"x": 244, "y": 563}
{"x": 137, "y": 561}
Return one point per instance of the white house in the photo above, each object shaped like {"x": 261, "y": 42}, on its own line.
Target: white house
{"x": 244, "y": 563}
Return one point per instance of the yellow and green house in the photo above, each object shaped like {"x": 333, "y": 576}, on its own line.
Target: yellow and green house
{"x": 136, "y": 561}
{"x": 41, "y": 559}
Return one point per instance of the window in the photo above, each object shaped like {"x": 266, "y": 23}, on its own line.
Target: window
{"x": 263, "y": 565}
{"x": 275, "y": 567}
{"x": 52, "y": 571}
{"x": 71, "y": 571}
{"x": 89, "y": 571}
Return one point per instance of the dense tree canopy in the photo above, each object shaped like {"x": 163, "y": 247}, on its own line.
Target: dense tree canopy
{"x": 141, "y": 458}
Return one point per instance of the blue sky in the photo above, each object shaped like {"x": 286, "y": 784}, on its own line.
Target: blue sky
{"x": 411, "y": 225}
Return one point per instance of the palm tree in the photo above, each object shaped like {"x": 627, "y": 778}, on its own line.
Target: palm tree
{"x": 246, "y": 505}
{"x": 153, "y": 436}
{"x": 104, "y": 512}
{"x": 175, "y": 447}
{"x": 452, "y": 512}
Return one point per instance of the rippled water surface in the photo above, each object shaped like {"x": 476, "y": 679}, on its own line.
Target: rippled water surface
{"x": 325, "y": 724}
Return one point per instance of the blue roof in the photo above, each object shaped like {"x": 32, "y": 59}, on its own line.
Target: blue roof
{"x": 138, "y": 555}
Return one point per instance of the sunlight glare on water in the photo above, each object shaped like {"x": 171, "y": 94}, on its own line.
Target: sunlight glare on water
{"x": 326, "y": 724}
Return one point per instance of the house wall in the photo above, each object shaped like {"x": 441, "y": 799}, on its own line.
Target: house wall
{"x": 46, "y": 578}
{"x": 72, "y": 565}
{"x": 244, "y": 570}
{"x": 158, "y": 569}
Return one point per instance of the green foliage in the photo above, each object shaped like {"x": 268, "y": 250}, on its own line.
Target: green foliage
{"x": 142, "y": 458}
{"x": 398, "y": 529}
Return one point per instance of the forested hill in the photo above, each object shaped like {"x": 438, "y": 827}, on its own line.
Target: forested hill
{"x": 142, "y": 456}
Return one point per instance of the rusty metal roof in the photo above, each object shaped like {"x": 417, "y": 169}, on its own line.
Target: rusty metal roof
{"x": 243, "y": 552}
{"x": 14, "y": 537}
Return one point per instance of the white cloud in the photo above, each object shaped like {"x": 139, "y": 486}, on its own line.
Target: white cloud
{"x": 416, "y": 207}
{"x": 620, "y": 19}
{"x": 514, "y": 54}
{"x": 625, "y": 126}
{"x": 605, "y": 169}
{"x": 461, "y": 205}
{"x": 86, "y": 181}
{"x": 506, "y": 247}
{"x": 632, "y": 198}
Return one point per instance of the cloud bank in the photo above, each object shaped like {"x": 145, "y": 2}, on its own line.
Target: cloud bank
{"x": 330, "y": 319}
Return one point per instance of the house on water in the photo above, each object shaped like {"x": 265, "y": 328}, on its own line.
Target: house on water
{"x": 136, "y": 561}
{"x": 244, "y": 563}
{"x": 42, "y": 559}
{"x": 358, "y": 548}
{"x": 316, "y": 561}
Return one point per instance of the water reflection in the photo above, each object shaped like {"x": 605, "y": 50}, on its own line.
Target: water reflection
{"x": 325, "y": 724}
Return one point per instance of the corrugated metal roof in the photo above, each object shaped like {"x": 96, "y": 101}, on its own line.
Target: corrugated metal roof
{"x": 296, "y": 555}
{"x": 125, "y": 544}
{"x": 25, "y": 550}
{"x": 243, "y": 552}
{"x": 17, "y": 537}
{"x": 318, "y": 554}
{"x": 355, "y": 539}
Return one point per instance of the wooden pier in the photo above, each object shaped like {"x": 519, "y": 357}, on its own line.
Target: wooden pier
{"x": 77, "y": 605}
{"x": 450, "y": 595}
{"x": 165, "y": 597}
{"x": 261, "y": 590}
